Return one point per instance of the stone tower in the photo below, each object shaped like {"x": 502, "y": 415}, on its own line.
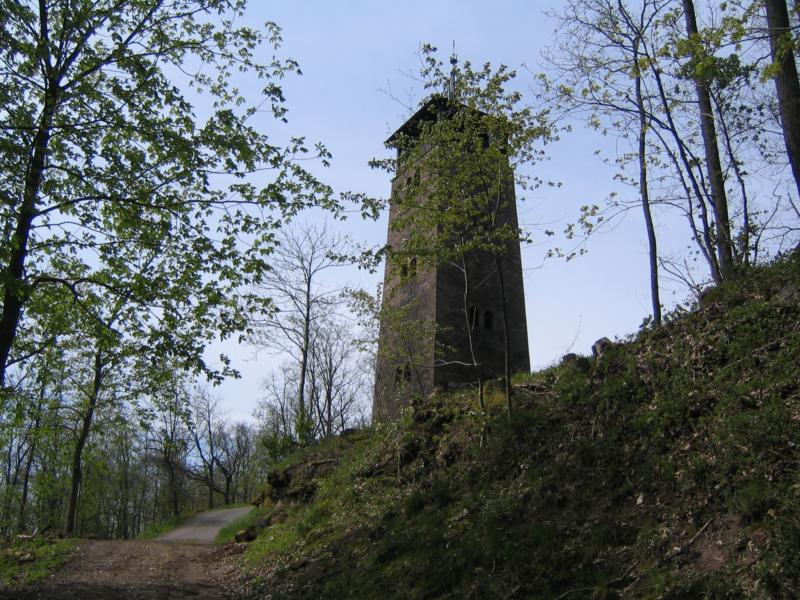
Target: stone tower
{"x": 429, "y": 329}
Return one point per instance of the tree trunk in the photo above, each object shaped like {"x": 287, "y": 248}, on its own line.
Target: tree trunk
{"x": 644, "y": 193}
{"x": 77, "y": 456}
{"x": 26, "y": 475}
{"x": 14, "y": 291}
{"x": 470, "y": 324}
{"x": 713, "y": 163}
{"x": 124, "y": 523}
{"x": 506, "y": 342}
{"x": 786, "y": 80}
{"x": 329, "y": 399}
{"x": 686, "y": 161}
{"x": 173, "y": 489}
{"x": 210, "y": 487}
{"x": 743, "y": 256}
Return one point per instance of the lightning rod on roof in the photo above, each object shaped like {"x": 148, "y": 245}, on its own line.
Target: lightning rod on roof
{"x": 451, "y": 91}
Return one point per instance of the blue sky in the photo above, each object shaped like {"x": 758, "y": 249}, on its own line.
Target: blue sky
{"x": 350, "y": 51}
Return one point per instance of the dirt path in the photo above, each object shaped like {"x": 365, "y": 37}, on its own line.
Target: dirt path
{"x": 204, "y": 527}
{"x": 181, "y": 564}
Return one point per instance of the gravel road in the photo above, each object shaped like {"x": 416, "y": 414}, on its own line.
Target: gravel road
{"x": 203, "y": 528}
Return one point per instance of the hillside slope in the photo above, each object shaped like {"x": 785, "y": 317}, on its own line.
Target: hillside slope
{"x": 670, "y": 468}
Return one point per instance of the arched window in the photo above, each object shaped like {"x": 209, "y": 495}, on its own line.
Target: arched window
{"x": 408, "y": 269}
{"x": 487, "y": 319}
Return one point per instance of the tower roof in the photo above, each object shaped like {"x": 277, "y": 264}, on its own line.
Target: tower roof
{"x": 431, "y": 110}
{"x": 434, "y": 108}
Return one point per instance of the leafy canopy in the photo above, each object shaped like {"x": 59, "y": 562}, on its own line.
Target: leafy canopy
{"x": 134, "y": 167}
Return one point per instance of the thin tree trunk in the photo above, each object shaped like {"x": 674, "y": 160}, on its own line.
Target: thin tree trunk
{"x": 210, "y": 464}
{"x": 26, "y": 476}
{"x": 744, "y": 254}
{"x": 469, "y": 318}
{"x": 125, "y": 484}
{"x": 328, "y": 408}
{"x": 83, "y": 436}
{"x": 687, "y": 165}
{"x": 23, "y": 502}
{"x": 644, "y": 193}
{"x": 506, "y": 342}
{"x": 713, "y": 163}
{"x": 175, "y": 495}
{"x": 302, "y": 417}
{"x": 786, "y": 80}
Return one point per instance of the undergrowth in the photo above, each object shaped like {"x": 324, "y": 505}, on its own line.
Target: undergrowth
{"x": 23, "y": 562}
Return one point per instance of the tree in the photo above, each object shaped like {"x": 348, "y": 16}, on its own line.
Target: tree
{"x": 100, "y": 150}
{"x": 682, "y": 89}
{"x": 300, "y": 299}
{"x": 171, "y": 443}
{"x": 644, "y": 190}
{"x": 203, "y": 425}
{"x": 713, "y": 163}
{"x": 235, "y": 443}
{"x": 339, "y": 380}
{"x": 784, "y": 70}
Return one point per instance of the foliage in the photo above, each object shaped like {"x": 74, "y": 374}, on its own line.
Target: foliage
{"x": 668, "y": 469}
{"x": 142, "y": 189}
{"x": 140, "y": 465}
{"x": 127, "y": 155}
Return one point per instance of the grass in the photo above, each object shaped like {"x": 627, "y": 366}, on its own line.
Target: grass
{"x": 154, "y": 530}
{"x": 227, "y": 533}
{"x": 24, "y": 562}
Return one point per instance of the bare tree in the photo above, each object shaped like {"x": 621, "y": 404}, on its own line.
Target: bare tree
{"x": 299, "y": 299}
{"x": 340, "y": 379}
{"x": 203, "y": 424}
{"x": 234, "y": 447}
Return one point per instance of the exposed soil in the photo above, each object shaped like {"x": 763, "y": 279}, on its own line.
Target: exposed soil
{"x": 170, "y": 567}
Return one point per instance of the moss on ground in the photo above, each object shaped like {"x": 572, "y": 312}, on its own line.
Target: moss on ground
{"x": 669, "y": 469}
